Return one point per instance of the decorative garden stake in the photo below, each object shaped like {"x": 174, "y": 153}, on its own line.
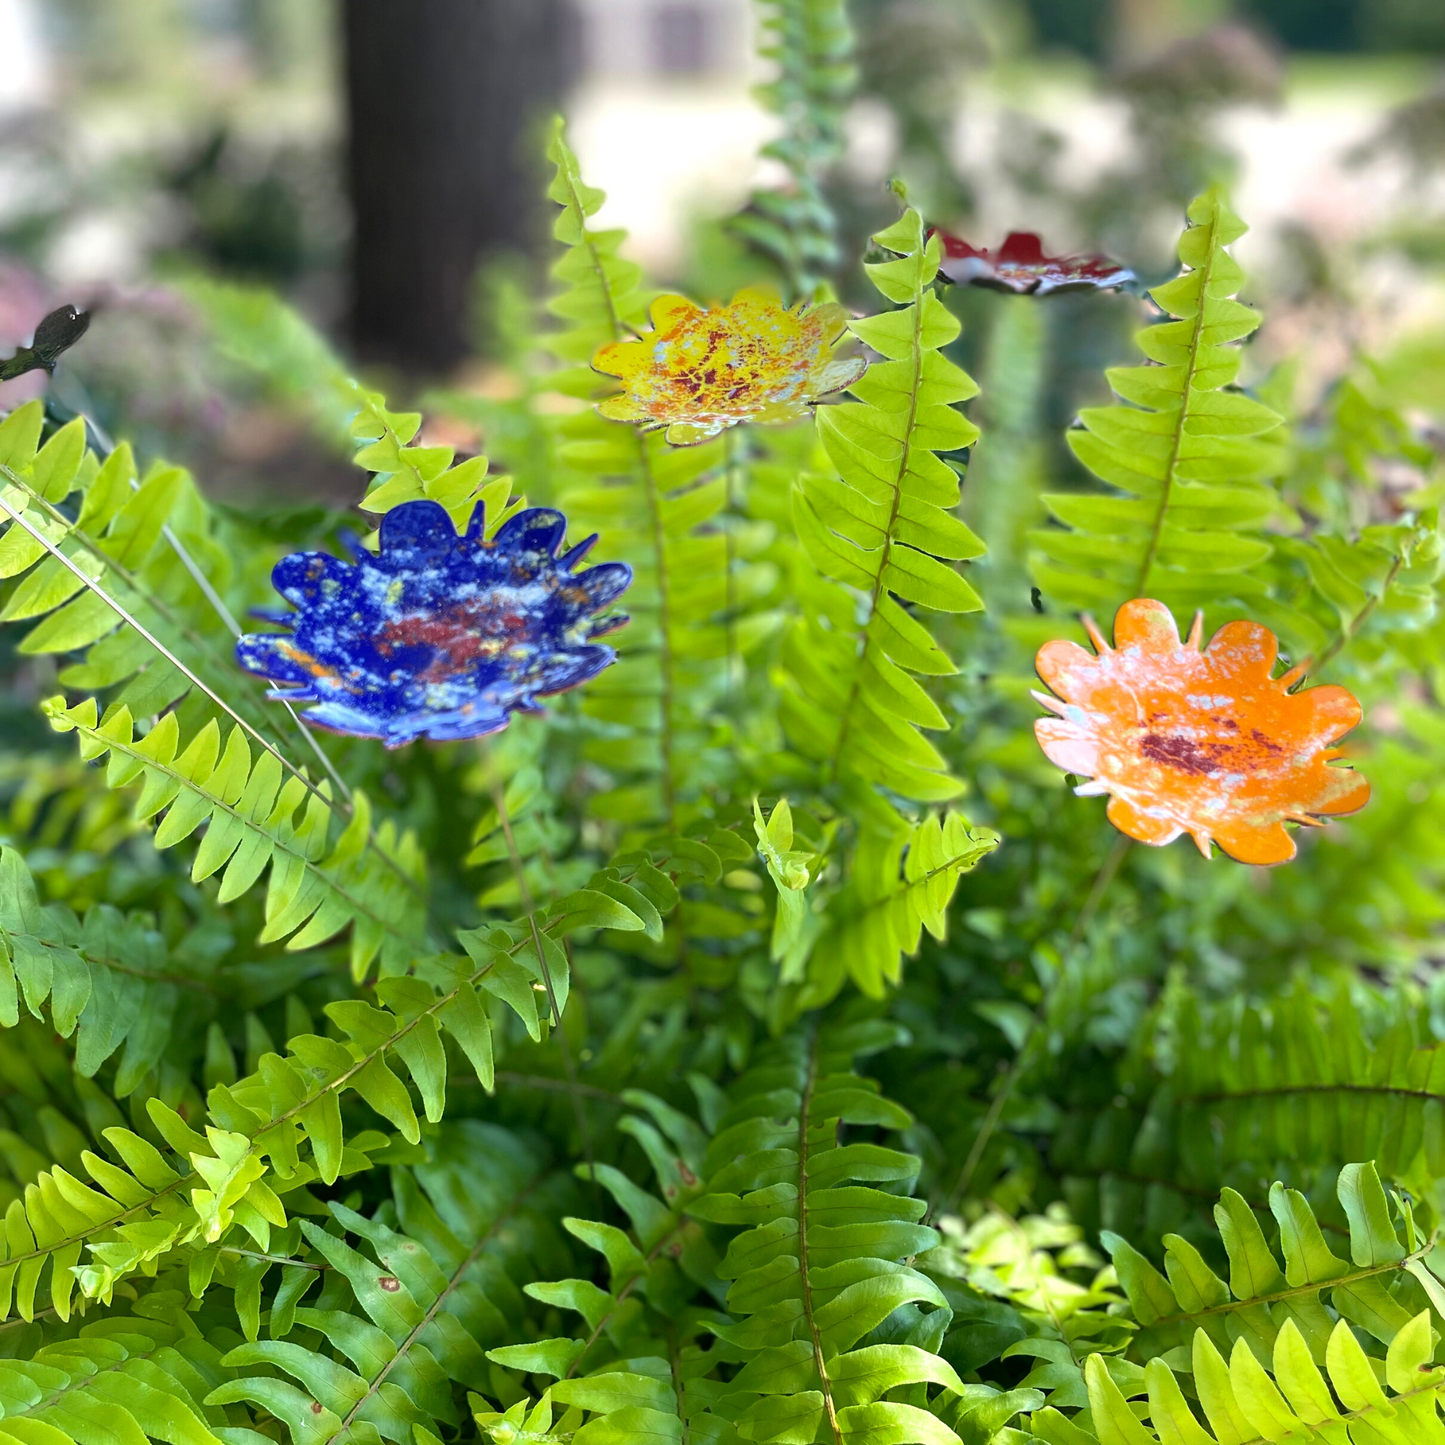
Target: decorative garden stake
{"x": 1020, "y": 266}
{"x": 438, "y": 635}
{"x": 55, "y": 335}
{"x": 1206, "y": 743}
{"x": 702, "y": 371}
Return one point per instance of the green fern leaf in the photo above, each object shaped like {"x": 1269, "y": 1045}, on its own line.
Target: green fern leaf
{"x": 630, "y": 1369}
{"x": 1245, "y": 1400}
{"x": 1189, "y": 455}
{"x": 141, "y": 1380}
{"x": 316, "y": 888}
{"x": 810, "y": 42}
{"x": 421, "y": 1301}
{"x": 1260, "y": 1296}
{"x": 818, "y": 1264}
{"x": 880, "y": 527}
{"x": 902, "y": 883}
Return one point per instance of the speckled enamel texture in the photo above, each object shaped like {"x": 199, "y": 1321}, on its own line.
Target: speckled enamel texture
{"x": 1020, "y": 266}
{"x": 1199, "y": 742}
{"x": 702, "y": 371}
{"x": 437, "y": 635}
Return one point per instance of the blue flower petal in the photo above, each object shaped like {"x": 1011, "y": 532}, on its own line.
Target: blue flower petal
{"x": 605, "y": 584}
{"x": 437, "y": 635}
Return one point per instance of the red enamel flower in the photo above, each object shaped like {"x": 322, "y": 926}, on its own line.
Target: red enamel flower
{"x": 1020, "y": 266}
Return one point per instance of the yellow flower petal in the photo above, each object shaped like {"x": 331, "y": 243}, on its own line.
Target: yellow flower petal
{"x": 836, "y": 375}
{"x": 621, "y": 408}
{"x": 621, "y": 358}
{"x": 667, "y": 311}
{"x": 700, "y": 371}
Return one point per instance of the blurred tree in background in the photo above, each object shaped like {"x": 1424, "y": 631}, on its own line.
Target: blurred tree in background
{"x": 441, "y": 170}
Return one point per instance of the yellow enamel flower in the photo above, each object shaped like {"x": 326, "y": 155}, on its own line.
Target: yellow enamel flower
{"x": 703, "y": 370}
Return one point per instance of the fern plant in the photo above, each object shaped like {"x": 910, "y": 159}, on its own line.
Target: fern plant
{"x": 880, "y": 526}
{"x": 512, "y": 1086}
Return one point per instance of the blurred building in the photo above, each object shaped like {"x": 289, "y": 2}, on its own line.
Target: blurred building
{"x": 27, "y": 60}
{"x": 665, "y": 38}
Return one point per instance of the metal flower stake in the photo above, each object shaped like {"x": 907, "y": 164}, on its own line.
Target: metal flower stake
{"x": 1021, "y": 267}
{"x": 701, "y": 371}
{"x": 438, "y": 635}
{"x": 1205, "y": 743}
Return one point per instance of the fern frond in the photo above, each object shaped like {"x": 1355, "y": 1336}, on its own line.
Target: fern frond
{"x": 316, "y": 888}
{"x": 901, "y": 884}
{"x": 404, "y": 470}
{"x": 631, "y": 1365}
{"x": 250, "y": 1160}
{"x": 1278, "y": 1327}
{"x": 1260, "y": 1296}
{"x": 123, "y": 580}
{"x": 1372, "y": 594}
{"x": 1248, "y": 1401}
{"x": 127, "y": 1380}
{"x": 880, "y": 527}
{"x": 819, "y": 1263}
{"x": 59, "y": 1214}
{"x": 134, "y": 554}
{"x": 109, "y": 979}
{"x": 1189, "y": 452}
{"x": 1296, "y": 1087}
{"x": 1310, "y": 1084}
{"x": 810, "y": 42}
{"x": 694, "y": 598}
{"x": 424, "y": 1300}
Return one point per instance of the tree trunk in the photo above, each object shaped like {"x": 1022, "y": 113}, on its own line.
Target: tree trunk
{"x": 445, "y": 100}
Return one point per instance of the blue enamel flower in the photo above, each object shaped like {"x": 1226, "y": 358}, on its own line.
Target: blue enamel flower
{"x": 437, "y": 635}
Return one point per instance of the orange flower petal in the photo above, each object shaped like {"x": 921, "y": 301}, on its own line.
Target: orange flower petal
{"x": 1065, "y": 667}
{"x": 1147, "y": 624}
{"x": 1138, "y": 824}
{"x": 1067, "y": 746}
{"x": 1204, "y": 742}
{"x": 1247, "y": 843}
{"x": 1335, "y": 710}
{"x": 701, "y": 371}
{"x": 1244, "y": 650}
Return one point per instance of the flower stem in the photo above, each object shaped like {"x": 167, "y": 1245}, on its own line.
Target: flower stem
{"x": 1347, "y": 633}
{"x": 1100, "y": 886}
{"x": 569, "y": 1067}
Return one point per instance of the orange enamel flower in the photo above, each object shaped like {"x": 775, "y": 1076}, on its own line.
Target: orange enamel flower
{"x": 1199, "y": 742}
{"x": 701, "y": 371}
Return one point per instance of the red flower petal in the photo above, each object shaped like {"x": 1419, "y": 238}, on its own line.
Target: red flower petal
{"x": 1021, "y": 267}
